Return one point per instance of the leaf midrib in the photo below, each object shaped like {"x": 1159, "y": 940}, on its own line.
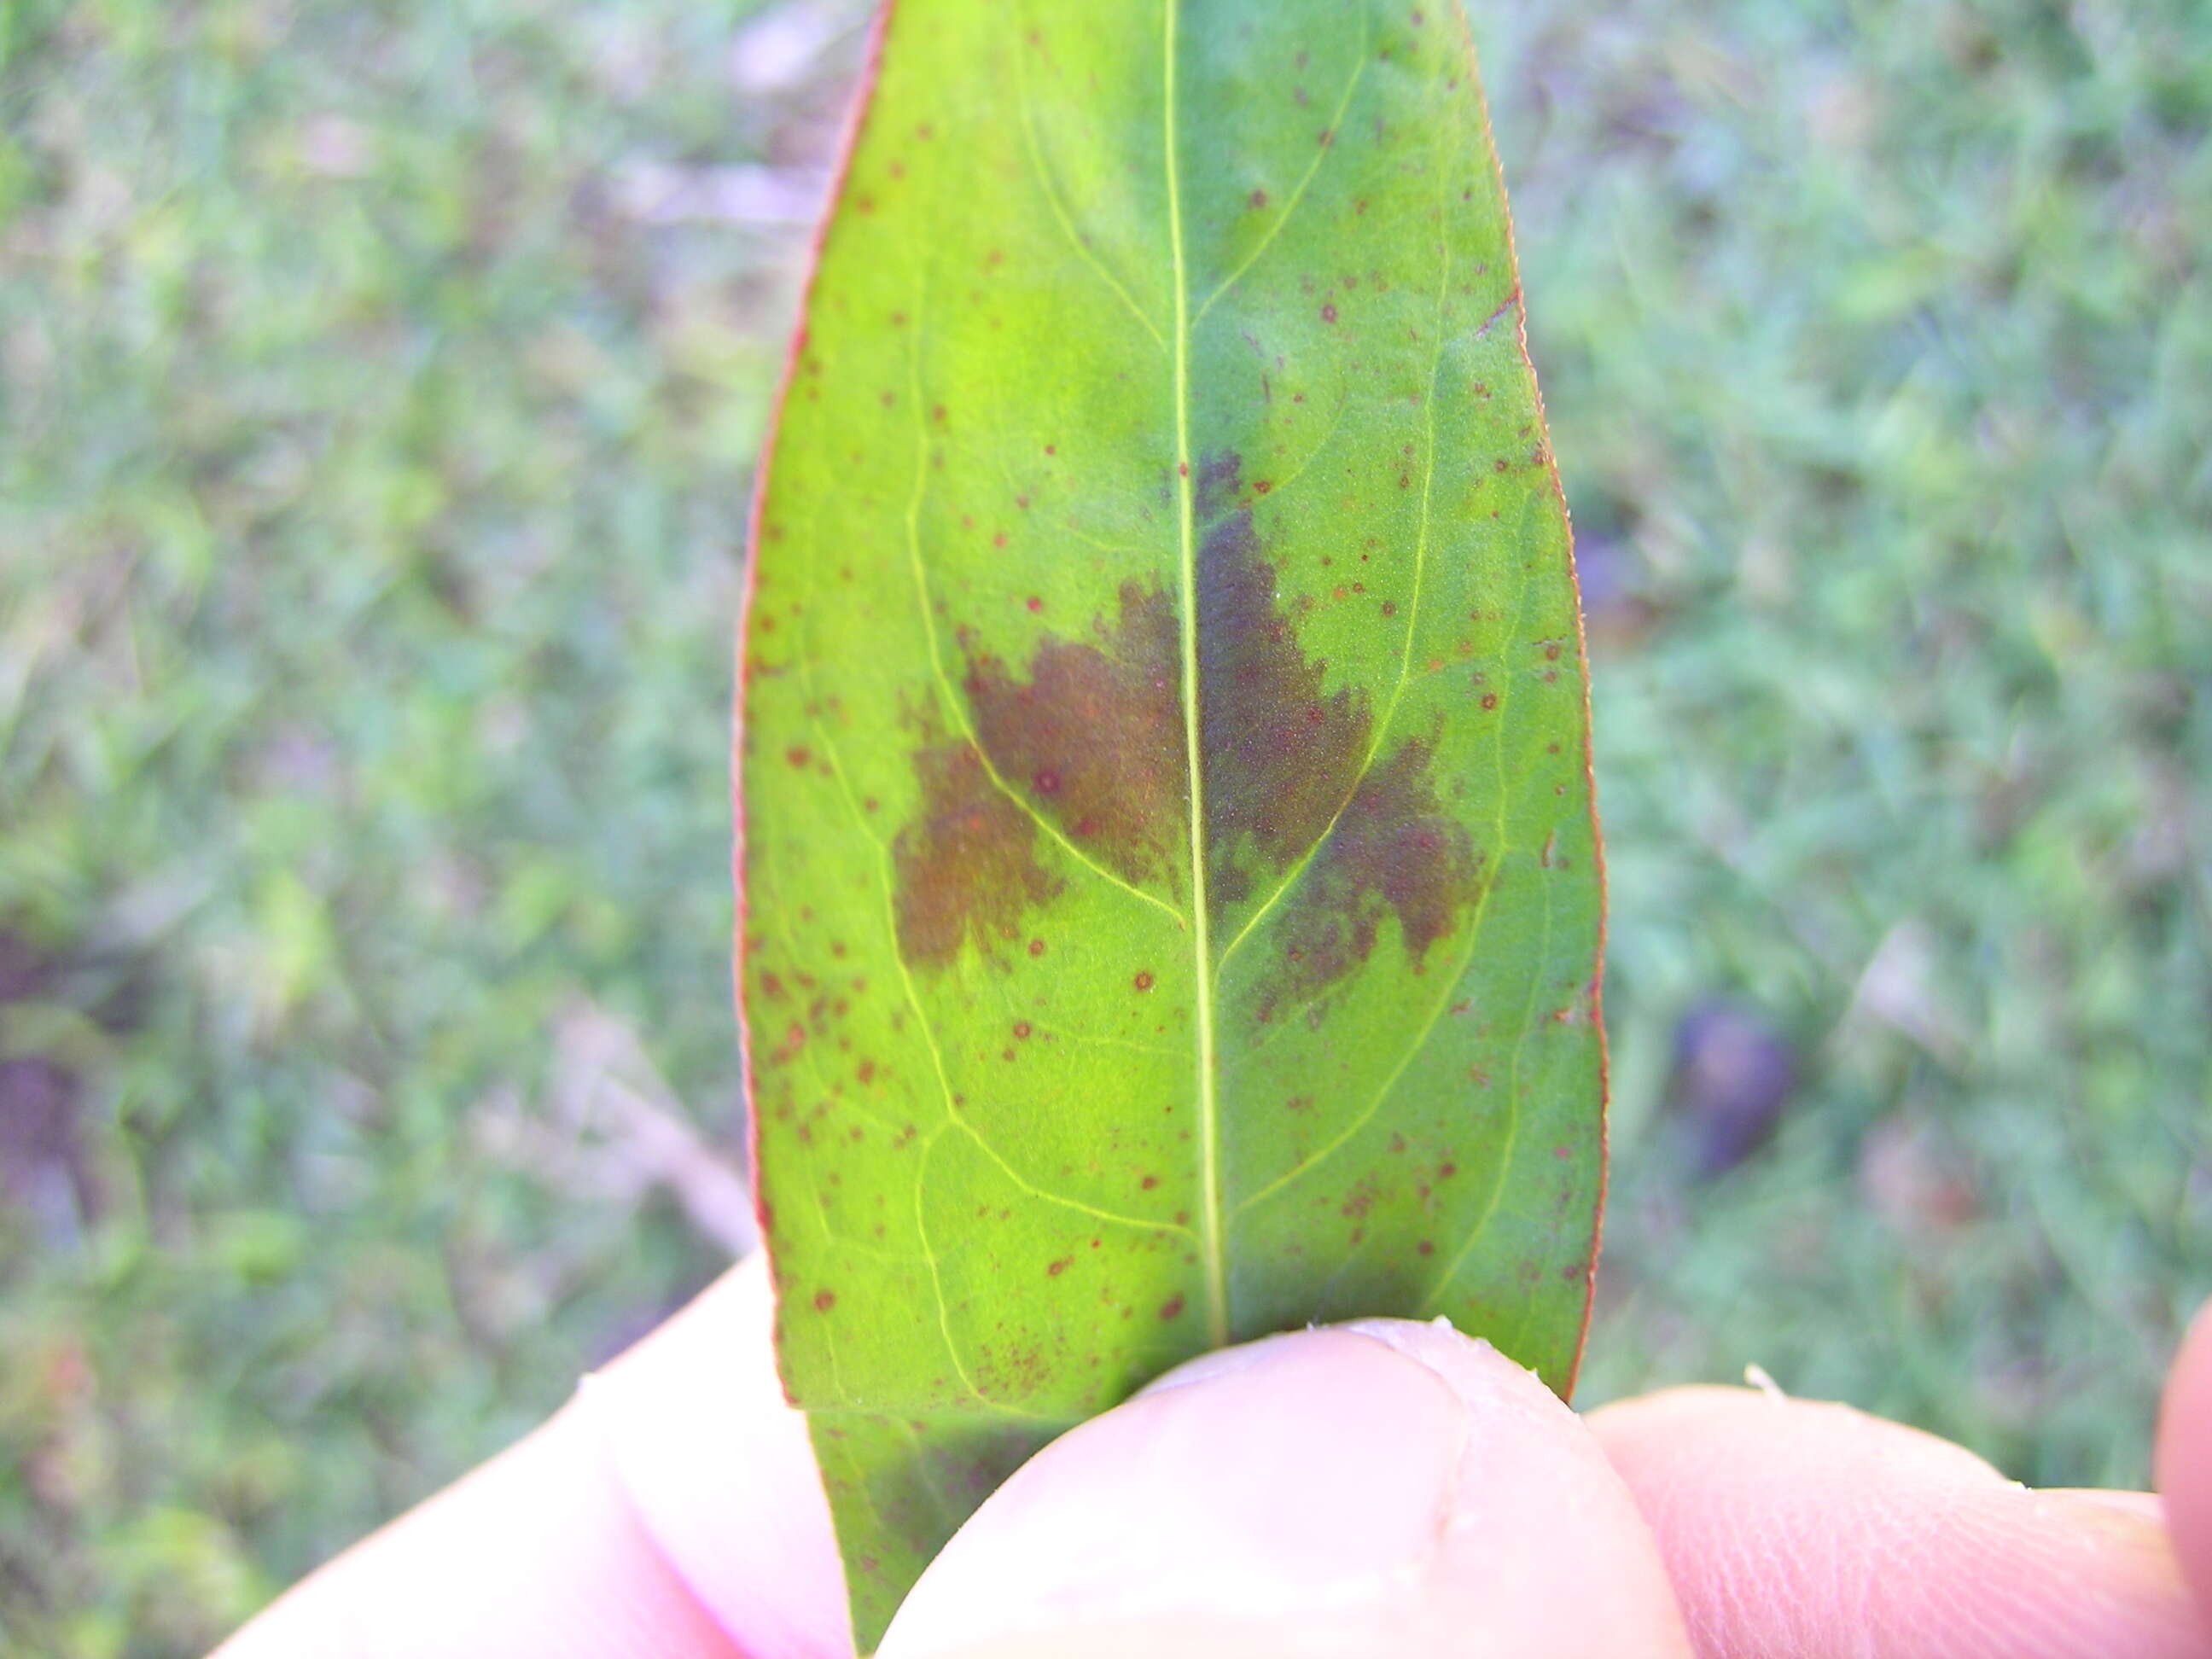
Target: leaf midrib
{"x": 1212, "y": 1246}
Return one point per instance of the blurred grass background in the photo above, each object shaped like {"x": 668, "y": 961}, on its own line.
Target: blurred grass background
{"x": 382, "y": 382}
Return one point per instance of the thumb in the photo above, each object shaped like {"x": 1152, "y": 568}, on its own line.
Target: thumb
{"x": 1382, "y": 1488}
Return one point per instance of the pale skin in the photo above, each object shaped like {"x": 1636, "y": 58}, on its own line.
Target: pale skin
{"x": 1378, "y": 1489}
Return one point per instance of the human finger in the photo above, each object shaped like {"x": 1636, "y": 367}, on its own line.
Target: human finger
{"x": 1382, "y": 1488}
{"x": 672, "y": 1511}
{"x": 2185, "y": 1458}
{"x": 1812, "y": 1529}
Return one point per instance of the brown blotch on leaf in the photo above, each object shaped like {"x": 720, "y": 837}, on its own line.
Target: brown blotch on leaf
{"x": 1280, "y": 756}
{"x": 1094, "y": 734}
{"x": 1284, "y": 769}
{"x": 967, "y": 863}
{"x": 1393, "y": 850}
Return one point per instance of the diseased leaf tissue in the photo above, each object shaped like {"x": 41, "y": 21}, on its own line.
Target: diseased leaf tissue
{"x": 1171, "y": 890}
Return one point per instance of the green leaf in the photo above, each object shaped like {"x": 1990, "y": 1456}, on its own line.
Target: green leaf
{"x": 1172, "y": 889}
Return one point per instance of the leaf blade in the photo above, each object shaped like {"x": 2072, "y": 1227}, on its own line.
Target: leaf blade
{"x": 1165, "y": 682}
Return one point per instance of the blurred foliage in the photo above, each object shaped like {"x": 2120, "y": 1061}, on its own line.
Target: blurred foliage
{"x": 382, "y": 382}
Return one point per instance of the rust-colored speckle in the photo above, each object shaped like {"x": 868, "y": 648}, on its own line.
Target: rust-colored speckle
{"x": 825, "y": 1300}
{"x": 1144, "y": 981}
{"x": 1022, "y": 1029}
{"x": 1036, "y": 947}
{"x": 1097, "y": 731}
{"x": 1060, "y": 1267}
{"x": 1258, "y": 198}
{"x": 1328, "y": 313}
{"x": 967, "y": 864}
{"x": 1036, "y": 604}
{"x": 1171, "y": 1309}
{"x": 799, "y": 756}
{"x": 1149, "y": 1182}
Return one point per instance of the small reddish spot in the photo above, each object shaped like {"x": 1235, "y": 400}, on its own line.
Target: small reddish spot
{"x": 1036, "y": 604}
{"x": 1328, "y": 313}
{"x": 1036, "y": 947}
{"x": 1060, "y": 1267}
{"x": 1144, "y": 981}
{"x": 1446, "y": 1171}
{"x": 1390, "y": 608}
{"x": 1050, "y": 449}
{"x": 867, "y": 1071}
{"x": 1490, "y": 700}
{"x": 1171, "y": 1309}
{"x": 1500, "y": 465}
{"x": 1258, "y": 199}
{"x": 1048, "y": 782}
{"x": 1149, "y": 1182}
{"x": 799, "y": 756}
{"x": 1426, "y": 1247}
{"x": 1022, "y": 1029}
{"x": 998, "y": 540}
{"x": 825, "y": 1300}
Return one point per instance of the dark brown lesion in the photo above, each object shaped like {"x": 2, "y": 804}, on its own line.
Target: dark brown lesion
{"x": 1288, "y": 780}
{"x": 1089, "y": 738}
{"x": 1394, "y": 850}
{"x": 1092, "y": 737}
{"x": 966, "y": 865}
{"x": 1281, "y": 756}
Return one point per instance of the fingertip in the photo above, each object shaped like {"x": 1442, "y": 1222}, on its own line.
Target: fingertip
{"x": 1375, "y": 1489}
{"x": 2184, "y": 1463}
{"x": 1811, "y": 1529}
